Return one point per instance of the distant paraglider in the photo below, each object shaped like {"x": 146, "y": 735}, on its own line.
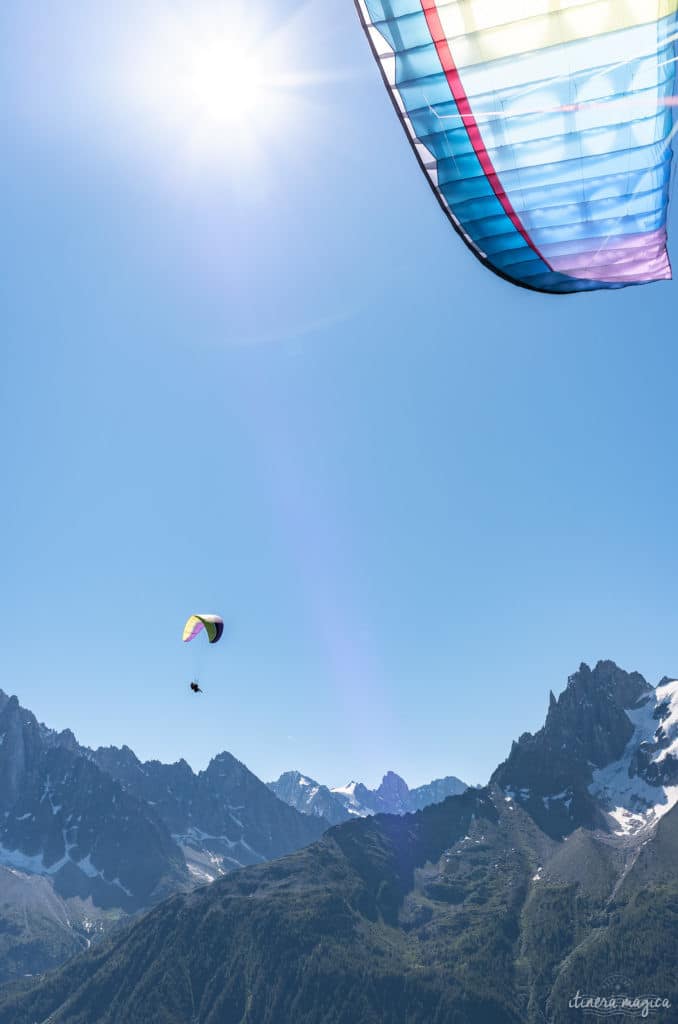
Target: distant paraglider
{"x": 212, "y": 626}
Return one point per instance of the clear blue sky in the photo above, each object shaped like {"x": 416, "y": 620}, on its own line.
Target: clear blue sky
{"x": 248, "y": 367}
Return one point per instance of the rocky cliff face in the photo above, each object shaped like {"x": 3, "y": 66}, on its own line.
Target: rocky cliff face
{"x": 61, "y": 816}
{"x": 394, "y": 793}
{"x": 87, "y": 837}
{"x": 587, "y": 728}
{"x": 222, "y": 818}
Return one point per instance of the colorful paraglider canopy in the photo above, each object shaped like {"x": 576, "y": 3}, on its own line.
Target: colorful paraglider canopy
{"x": 212, "y": 624}
{"x": 544, "y": 128}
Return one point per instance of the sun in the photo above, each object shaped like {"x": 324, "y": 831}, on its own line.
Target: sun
{"x": 224, "y": 86}
{"x": 218, "y": 76}
{"x": 214, "y": 87}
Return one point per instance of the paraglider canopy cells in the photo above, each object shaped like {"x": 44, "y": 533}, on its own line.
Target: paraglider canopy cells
{"x": 544, "y": 129}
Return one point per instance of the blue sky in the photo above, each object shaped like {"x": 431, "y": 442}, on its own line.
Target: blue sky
{"x": 252, "y": 369}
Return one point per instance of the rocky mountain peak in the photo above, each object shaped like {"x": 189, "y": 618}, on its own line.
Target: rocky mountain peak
{"x": 589, "y": 717}
{"x": 226, "y": 766}
{"x": 624, "y": 688}
{"x": 19, "y": 748}
{"x": 66, "y": 739}
{"x": 391, "y": 782}
{"x": 395, "y": 792}
{"x": 306, "y": 795}
{"x": 119, "y": 762}
{"x": 586, "y": 727}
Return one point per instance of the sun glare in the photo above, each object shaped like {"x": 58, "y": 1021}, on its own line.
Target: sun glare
{"x": 214, "y": 88}
{"x": 224, "y": 86}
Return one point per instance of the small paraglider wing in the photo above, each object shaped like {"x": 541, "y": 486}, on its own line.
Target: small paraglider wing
{"x": 544, "y": 129}
{"x": 212, "y": 624}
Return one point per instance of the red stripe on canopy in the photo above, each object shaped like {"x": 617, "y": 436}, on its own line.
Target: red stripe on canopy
{"x": 442, "y": 46}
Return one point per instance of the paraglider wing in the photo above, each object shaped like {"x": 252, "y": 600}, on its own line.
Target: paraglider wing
{"x": 544, "y": 127}
{"x": 212, "y": 624}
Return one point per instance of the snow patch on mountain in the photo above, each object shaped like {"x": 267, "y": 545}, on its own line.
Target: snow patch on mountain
{"x": 517, "y": 794}
{"x": 642, "y": 786}
{"x": 347, "y": 796}
{"x": 565, "y": 798}
{"x": 347, "y": 791}
{"x": 32, "y": 864}
{"x": 667, "y": 706}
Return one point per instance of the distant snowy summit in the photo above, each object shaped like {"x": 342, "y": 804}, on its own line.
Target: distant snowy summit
{"x": 308, "y": 796}
{"x": 340, "y": 803}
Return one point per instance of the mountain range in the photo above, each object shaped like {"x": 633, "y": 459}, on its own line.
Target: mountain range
{"x": 90, "y": 837}
{"x": 342, "y": 803}
{"x": 500, "y": 905}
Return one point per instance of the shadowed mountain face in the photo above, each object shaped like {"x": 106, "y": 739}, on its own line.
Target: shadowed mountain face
{"x": 61, "y": 817}
{"x": 473, "y": 911}
{"x": 307, "y": 938}
{"x": 39, "y": 929}
{"x": 77, "y": 853}
{"x": 87, "y": 838}
{"x": 222, "y": 818}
